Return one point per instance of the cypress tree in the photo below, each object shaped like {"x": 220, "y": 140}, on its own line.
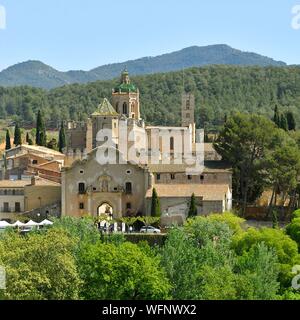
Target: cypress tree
{"x": 276, "y": 118}
{"x": 27, "y": 137}
{"x": 155, "y": 205}
{"x": 283, "y": 122}
{"x": 17, "y": 136}
{"x": 7, "y": 141}
{"x": 41, "y": 138}
{"x": 291, "y": 121}
{"x": 62, "y": 138}
{"x": 193, "y": 208}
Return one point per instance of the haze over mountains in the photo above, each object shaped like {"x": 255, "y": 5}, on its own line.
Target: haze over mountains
{"x": 38, "y": 74}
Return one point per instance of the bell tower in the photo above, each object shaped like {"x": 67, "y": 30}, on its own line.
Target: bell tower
{"x": 188, "y": 113}
{"x": 126, "y": 98}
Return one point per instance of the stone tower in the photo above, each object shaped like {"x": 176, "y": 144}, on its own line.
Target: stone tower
{"x": 105, "y": 117}
{"x": 188, "y": 113}
{"x": 126, "y": 98}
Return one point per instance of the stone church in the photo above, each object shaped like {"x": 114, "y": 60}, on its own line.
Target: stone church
{"x": 124, "y": 188}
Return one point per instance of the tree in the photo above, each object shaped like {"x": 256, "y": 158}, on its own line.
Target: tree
{"x": 40, "y": 266}
{"x": 193, "y": 212}
{"x": 283, "y": 165}
{"x": 7, "y": 141}
{"x": 17, "y": 136}
{"x": 206, "y": 231}
{"x": 155, "y": 204}
{"x": 121, "y": 272}
{"x": 149, "y": 220}
{"x": 52, "y": 144}
{"x": 244, "y": 142}
{"x": 233, "y": 221}
{"x": 27, "y": 137}
{"x": 291, "y": 121}
{"x": 258, "y": 274}
{"x": 293, "y": 230}
{"x": 129, "y": 221}
{"x": 283, "y": 122}
{"x": 276, "y": 117}
{"x": 285, "y": 248}
{"x": 41, "y": 137}
{"x": 62, "y": 138}
{"x": 179, "y": 249}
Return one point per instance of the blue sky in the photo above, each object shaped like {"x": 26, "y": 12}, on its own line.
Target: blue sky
{"x": 77, "y": 34}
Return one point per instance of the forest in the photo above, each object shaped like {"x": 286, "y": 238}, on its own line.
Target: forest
{"x": 213, "y": 258}
{"x": 219, "y": 91}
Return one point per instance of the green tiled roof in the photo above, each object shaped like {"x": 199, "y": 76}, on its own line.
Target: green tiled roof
{"x": 125, "y": 85}
{"x": 105, "y": 109}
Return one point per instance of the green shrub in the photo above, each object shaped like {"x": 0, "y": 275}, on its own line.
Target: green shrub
{"x": 296, "y": 214}
{"x": 152, "y": 239}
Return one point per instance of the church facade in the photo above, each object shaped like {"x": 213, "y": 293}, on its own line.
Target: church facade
{"x": 94, "y": 185}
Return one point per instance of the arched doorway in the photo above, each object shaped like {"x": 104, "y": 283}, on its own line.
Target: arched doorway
{"x": 105, "y": 215}
{"x": 105, "y": 210}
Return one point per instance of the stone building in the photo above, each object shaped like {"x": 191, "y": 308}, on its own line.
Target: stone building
{"x": 38, "y": 197}
{"x": 90, "y": 186}
{"x": 23, "y": 162}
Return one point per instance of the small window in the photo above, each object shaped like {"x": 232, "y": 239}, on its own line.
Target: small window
{"x": 81, "y": 205}
{"x": 158, "y": 176}
{"x": 128, "y": 205}
{"x": 17, "y": 207}
{"x": 202, "y": 177}
{"x": 188, "y": 115}
{"x": 172, "y": 143}
{"x": 172, "y": 176}
{"x": 128, "y": 187}
{"x": 81, "y": 188}
{"x": 125, "y": 109}
{"x": 5, "y": 207}
{"x": 34, "y": 162}
{"x": 14, "y": 192}
{"x": 94, "y": 189}
{"x": 128, "y": 172}
{"x": 189, "y": 177}
{"x": 81, "y": 172}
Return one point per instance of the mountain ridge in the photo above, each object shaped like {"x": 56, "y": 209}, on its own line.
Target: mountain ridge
{"x": 38, "y": 74}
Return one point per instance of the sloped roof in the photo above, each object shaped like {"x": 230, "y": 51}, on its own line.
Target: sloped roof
{"x": 105, "y": 109}
{"x": 40, "y": 149}
{"x": 23, "y": 183}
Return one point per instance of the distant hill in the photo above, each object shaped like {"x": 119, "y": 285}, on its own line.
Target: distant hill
{"x": 218, "y": 90}
{"x": 38, "y": 74}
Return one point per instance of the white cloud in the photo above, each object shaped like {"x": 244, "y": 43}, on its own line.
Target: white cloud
{"x": 2, "y": 18}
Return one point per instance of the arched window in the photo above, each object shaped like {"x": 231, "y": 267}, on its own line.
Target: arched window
{"x": 125, "y": 108}
{"x": 172, "y": 143}
{"x": 128, "y": 188}
{"x": 117, "y": 106}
